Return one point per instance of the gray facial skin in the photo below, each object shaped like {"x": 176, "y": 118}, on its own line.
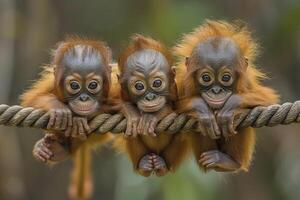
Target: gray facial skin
{"x": 83, "y": 59}
{"x": 216, "y": 52}
{"x": 145, "y": 61}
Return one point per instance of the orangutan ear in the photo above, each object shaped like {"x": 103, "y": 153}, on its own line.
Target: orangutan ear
{"x": 110, "y": 66}
{"x": 119, "y": 78}
{"x": 54, "y": 70}
{"x": 187, "y": 60}
{"x": 173, "y": 70}
{"x": 246, "y": 62}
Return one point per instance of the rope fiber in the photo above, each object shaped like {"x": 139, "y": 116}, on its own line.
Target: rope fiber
{"x": 257, "y": 117}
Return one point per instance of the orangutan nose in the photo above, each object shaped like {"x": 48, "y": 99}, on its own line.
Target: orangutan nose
{"x": 84, "y": 97}
{"x": 150, "y": 96}
{"x": 217, "y": 89}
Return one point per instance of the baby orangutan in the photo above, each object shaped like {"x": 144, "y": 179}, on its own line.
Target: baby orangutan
{"x": 221, "y": 79}
{"x": 149, "y": 93}
{"x": 73, "y": 91}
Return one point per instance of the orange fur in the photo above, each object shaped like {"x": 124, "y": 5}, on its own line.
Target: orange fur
{"x": 140, "y": 42}
{"x": 250, "y": 88}
{"x": 44, "y": 94}
{"x": 70, "y": 42}
{"x": 41, "y": 91}
{"x": 173, "y": 148}
{"x": 250, "y": 83}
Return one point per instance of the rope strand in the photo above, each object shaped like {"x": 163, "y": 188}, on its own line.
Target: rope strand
{"x": 257, "y": 117}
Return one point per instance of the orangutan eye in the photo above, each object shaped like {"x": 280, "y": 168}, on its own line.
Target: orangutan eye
{"x": 93, "y": 85}
{"x": 157, "y": 83}
{"x": 139, "y": 86}
{"x": 206, "y": 78}
{"x": 74, "y": 85}
{"x": 226, "y": 78}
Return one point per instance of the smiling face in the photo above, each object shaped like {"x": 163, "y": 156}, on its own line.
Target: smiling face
{"x": 215, "y": 87}
{"x": 81, "y": 77}
{"x": 215, "y": 64}
{"x": 83, "y": 93}
{"x": 147, "y": 83}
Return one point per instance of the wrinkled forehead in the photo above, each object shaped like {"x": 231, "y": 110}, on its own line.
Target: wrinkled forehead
{"x": 83, "y": 59}
{"x": 217, "y": 52}
{"x": 146, "y": 61}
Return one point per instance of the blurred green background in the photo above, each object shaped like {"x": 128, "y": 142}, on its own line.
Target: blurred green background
{"x": 30, "y": 28}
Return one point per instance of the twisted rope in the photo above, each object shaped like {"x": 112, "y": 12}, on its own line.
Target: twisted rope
{"x": 286, "y": 113}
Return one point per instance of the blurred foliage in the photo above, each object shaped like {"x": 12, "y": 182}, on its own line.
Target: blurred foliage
{"x": 29, "y": 29}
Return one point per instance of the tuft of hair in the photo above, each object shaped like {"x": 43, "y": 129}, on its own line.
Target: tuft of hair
{"x": 238, "y": 33}
{"x": 71, "y": 42}
{"x": 140, "y": 42}
{"x": 115, "y": 90}
{"x": 40, "y": 87}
